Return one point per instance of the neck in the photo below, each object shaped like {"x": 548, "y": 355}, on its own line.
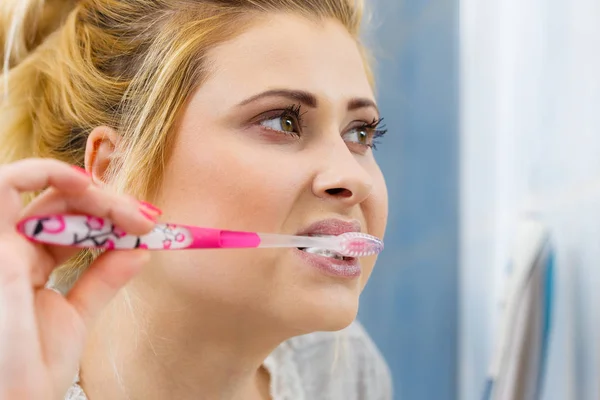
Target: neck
{"x": 177, "y": 351}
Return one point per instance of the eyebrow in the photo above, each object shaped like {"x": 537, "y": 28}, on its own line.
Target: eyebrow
{"x": 308, "y": 99}
{"x": 357, "y": 103}
{"x": 303, "y": 97}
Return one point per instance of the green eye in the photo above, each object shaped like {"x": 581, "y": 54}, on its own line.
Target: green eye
{"x": 288, "y": 121}
{"x": 366, "y": 134}
{"x": 360, "y": 136}
{"x": 363, "y": 136}
{"x": 287, "y": 124}
{"x": 283, "y": 123}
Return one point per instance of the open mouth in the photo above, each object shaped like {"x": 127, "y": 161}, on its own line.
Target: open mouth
{"x": 324, "y": 252}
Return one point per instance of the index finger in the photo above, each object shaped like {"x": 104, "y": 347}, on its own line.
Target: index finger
{"x": 32, "y": 175}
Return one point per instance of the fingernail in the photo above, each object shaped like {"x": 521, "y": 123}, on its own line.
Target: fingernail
{"x": 79, "y": 169}
{"x": 151, "y": 207}
{"x": 54, "y": 290}
{"x": 147, "y": 215}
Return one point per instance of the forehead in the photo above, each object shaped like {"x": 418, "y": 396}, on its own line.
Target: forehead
{"x": 283, "y": 50}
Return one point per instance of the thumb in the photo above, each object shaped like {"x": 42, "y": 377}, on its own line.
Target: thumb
{"x": 64, "y": 324}
{"x": 103, "y": 279}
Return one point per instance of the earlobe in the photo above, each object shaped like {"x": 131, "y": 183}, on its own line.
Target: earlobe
{"x": 100, "y": 146}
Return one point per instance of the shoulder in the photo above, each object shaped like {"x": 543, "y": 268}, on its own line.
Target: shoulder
{"x": 335, "y": 365}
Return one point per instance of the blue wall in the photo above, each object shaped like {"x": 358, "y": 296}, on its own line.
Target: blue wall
{"x": 410, "y": 305}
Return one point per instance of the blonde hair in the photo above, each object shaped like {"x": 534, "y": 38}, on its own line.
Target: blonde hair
{"x": 70, "y": 66}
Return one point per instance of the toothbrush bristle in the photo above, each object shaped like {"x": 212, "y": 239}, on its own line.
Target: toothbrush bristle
{"x": 356, "y": 244}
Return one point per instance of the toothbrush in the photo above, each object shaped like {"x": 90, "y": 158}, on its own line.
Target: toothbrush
{"x": 84, "y": 231}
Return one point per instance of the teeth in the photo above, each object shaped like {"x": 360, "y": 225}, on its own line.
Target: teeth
{"x": 324, "y": 253}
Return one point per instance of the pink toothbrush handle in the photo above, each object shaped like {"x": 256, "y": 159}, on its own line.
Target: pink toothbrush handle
{"x": 99, "y": 233}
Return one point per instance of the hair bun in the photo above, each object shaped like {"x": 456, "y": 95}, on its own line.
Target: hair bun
{"x": 25, "y": 24}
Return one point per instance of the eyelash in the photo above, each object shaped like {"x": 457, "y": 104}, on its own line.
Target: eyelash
{"x": 378, "y": 131}
{"x": 294, "y": 111}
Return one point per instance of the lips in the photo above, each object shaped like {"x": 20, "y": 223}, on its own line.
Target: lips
{"x": 331, "y": 227}
{"x": 328, "y": 262}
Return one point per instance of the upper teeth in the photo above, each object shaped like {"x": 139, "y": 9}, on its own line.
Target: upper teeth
{"x": 324, "y": 253}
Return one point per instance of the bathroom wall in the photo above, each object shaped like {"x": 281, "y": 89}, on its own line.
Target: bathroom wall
{"x": 410, "y": 304}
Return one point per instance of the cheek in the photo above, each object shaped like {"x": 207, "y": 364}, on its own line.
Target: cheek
{"x": 375, "y": 210}
{"x": 229, "y": 185}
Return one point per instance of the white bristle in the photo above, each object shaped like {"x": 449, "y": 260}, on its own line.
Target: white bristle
{"x": 370, "y": 244}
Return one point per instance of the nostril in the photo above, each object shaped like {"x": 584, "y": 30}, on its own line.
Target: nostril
{"x": 339, "y": 192}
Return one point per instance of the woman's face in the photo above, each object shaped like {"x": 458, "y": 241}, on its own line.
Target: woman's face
{"x": 275, "y": 141}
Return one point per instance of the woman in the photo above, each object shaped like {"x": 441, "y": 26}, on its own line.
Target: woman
{"x": 251, "y": 115}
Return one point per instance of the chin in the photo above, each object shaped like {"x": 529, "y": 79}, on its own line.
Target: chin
{"x": 331, "y": 309}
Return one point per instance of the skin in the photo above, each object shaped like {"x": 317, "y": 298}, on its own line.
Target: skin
{"x": 42, "y": 333}
{"x": 198, "y": 324}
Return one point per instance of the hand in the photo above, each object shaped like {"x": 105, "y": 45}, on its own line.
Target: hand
{"x": 42, "y": 333}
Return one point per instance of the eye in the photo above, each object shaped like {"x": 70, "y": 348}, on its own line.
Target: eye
{"x": 365, "y": 135}
{"x": 287, "y": 121}
{"x": 282, "y": 123}
{"x": 359, "y": 135}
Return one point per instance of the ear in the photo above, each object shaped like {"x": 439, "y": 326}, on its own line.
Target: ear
{"x": 99, "y": 148}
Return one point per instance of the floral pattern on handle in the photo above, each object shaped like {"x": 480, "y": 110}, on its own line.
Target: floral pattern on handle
{"x": 52, "y": 225}
{"x": 93, "y": 232}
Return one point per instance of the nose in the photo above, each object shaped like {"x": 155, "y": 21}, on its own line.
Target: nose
{"x": 342, "y": 177}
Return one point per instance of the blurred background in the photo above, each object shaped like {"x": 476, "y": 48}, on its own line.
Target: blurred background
{"x": 494, "y": 114}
